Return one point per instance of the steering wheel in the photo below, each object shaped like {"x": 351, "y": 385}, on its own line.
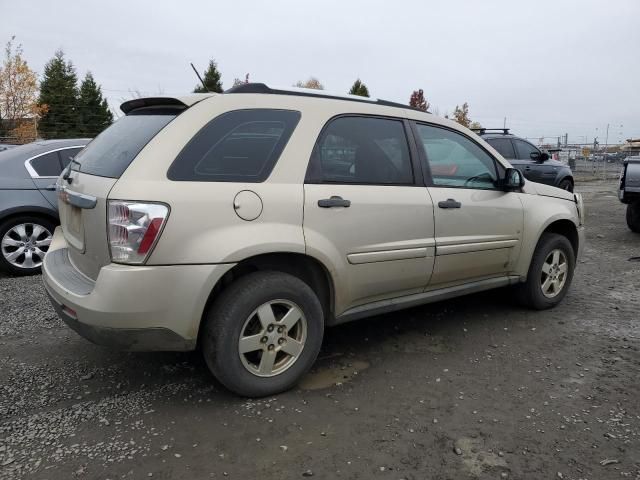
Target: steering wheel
{"x": 483, "y": 175}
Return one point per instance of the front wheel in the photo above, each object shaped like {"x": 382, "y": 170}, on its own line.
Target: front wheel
{"x": 550, "y": 273}
{"x": 633, "y": 216}
{"x": 263, "y": 333}
{"x": 566, "y": 184}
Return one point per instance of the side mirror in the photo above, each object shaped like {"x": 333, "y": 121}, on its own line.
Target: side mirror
{"x": 544, "y": 157}
{"x": 539, "y": 157}
{"x": 513, "y": 179}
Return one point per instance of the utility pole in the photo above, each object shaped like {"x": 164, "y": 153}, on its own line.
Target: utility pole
{"x": 504, "y": 124}
{"x": 604, "y": 158}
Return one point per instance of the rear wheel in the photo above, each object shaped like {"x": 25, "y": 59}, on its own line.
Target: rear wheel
{"x": 566, "y": 184}
{"x": 550, "y": 273}
{"x": 633, "y": 216}
{"x": 23, "y": 243}
{"x": 263, "y": 333}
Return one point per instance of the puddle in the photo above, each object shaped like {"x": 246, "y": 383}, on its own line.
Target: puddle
{"x": 335, "y": 374}
{"x": 477, "y": 460}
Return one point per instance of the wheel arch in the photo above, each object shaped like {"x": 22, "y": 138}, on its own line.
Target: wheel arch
{"x": 566, "y": 228}
{"x": 305, "y": 267}
{"x": 32, "y": 211}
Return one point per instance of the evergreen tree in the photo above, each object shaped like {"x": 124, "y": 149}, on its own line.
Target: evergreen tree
{"x": 93, "y": 110}
{"x": 359, "y": 88}
{"x": 417, "y": 100}
{"x": 211, "y": 80}
{"x": 58, "y": 93}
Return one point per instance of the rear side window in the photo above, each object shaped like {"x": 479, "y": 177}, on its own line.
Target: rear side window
{"x": 111, "y": 152}
{"x": 67, "y": 154}
{"x": 237, "y": 146}
{"x": 503, "y": 146}
{"x": 47, "y": 165}
{"x": 367, "y": 150}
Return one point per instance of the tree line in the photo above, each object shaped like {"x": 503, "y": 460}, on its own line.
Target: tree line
{"x": 54, "y": 106}
{"x": 58, "y": 106}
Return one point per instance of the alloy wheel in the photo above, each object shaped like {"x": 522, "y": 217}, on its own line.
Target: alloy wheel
{"x": 25, "y": 245}
{"x": 272, "y": 338}
{"x": 554, "y": 273}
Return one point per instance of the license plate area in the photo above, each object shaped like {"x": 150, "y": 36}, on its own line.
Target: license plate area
{"x": 73, "y": 227}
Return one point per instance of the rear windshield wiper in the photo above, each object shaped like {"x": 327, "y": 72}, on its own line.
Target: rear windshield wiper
{"x": 68, "y": 170}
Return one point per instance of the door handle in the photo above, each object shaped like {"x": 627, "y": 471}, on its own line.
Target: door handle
{"x": 50, "y": 188}
{"x": 449, "y": 203}
{"x": 334, "y": 201}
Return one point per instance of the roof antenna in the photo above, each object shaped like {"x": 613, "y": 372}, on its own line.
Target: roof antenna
{"x": 199, "y": 77}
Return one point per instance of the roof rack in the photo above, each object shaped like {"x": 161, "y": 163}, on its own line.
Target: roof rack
{"x": 307, "y": 92}
{"x": 482, "y": 130}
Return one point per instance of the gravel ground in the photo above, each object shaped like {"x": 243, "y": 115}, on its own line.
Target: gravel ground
{"x": 469, "y": 388}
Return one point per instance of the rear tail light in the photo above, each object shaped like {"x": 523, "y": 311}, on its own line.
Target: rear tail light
{"x": 134, "y": 228}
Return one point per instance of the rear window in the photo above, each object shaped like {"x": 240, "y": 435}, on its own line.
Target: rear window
{"x": 111, "y": 152}
{"x": 237, "y": 146}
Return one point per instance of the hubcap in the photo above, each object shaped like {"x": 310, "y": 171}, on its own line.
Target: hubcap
{"x": 25, "y": 245}
{"x": 272, "y": 338}
{"x": 554, "y": 273}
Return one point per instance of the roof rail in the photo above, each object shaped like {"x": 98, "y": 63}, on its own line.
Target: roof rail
{"x": 307, "y": 92}
{"x": 482, "y": 130}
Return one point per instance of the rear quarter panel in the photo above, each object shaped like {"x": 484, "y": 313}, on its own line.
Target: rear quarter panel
{"x": 25, "y": 202}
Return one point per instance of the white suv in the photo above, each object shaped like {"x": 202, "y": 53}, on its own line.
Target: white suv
{"x": 244, "y": 223}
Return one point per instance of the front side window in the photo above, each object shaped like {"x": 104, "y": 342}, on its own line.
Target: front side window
{"x": 362, "y": 150}
{"x": 503, "y": 146}
{"x": 455, "y": 160}
{"x": 237, "y": 146}
{"x": 525, "y": 149}
{"x": 47, "y": 165}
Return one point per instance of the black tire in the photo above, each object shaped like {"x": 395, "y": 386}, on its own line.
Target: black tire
{"x": 633, "y": 216}
{"x": 530, "y": 293}
{"x": 566, "y": 184}
{"x": 5, "y": 265}
{"x": 225, "y": 320}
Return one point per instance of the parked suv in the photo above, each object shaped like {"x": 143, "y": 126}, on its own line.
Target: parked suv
{"x": 244, "y": 223}
{"x": 629, "y": 191}
{"x": 523, "y": 155}
{"x": 28, "y": 201}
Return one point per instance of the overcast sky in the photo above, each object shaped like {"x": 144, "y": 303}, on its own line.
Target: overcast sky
{"x": 550, "y": 67}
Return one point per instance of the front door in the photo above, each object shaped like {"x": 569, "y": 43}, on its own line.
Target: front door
{"x": 365, "y": 216}
{"x": 478, "y": 227}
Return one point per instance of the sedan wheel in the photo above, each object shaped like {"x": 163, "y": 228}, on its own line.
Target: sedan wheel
{"x": 23, "y": 245}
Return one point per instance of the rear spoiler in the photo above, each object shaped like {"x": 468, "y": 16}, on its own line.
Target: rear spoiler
{"x": 178, "y": 103}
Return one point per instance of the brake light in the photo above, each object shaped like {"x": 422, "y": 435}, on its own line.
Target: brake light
{"x": 134, "y": 228}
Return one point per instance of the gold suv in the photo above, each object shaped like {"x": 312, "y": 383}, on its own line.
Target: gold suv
{"x": 244, "y": 223}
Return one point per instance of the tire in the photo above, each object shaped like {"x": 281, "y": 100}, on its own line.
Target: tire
{"x": 16, "y": 235}
{"x": 530, "y": 293}
{"x": 633, "y": 216}
{"x": 235, "y": 314}
{"x": 566, "y": 184}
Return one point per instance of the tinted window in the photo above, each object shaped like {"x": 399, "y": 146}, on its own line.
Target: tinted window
{"x": 503, "y": 146}
{"x": 362, "y": 150}
{"x": 111, "y": 152}
{"x": 67, "y": 154}
{"x": 238, "y": 146}
{"x": 455, "y": 160}
{"x": 525, "y": 149}
{"x": 47, "y": 165}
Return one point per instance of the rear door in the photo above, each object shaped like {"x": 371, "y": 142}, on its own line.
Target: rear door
{"x": 44, "y": 169}
{"x": 365, "y": 213}
{"x": 83, "y": 196}
{"x": 478, "y": 227}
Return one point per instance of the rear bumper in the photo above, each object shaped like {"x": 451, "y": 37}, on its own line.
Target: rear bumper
{"x": 136, "y": 308}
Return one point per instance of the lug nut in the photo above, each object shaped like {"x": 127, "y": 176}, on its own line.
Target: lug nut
{"x": 263, "y": 340}
{"x": 280, "y": 341}
{"x": 270, "y": 328}
{"x": 271, "y": 347}
{"x": 280, "y": 329}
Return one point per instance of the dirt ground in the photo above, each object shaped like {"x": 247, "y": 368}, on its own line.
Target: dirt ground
{"x": 469, "y": 388}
